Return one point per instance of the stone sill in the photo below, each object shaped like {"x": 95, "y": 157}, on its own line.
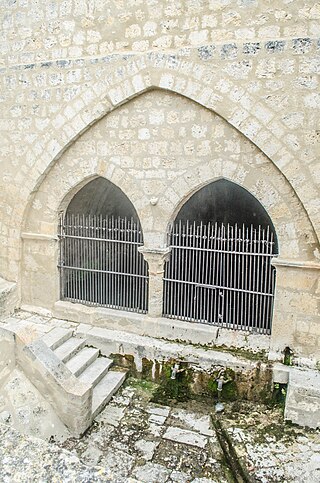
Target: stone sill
{"x": 161, "y": 327}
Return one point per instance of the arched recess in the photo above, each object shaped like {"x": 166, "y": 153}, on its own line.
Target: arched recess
{"x": 219, "y": 271}
{"x": 100, "y": 196}
{"x": 225, "y": 202}
{"x": 99, "y": 261}
{"x": 188, "y": 78}
{"x": 194, "y": 80}
{"x": 205, "y": 149}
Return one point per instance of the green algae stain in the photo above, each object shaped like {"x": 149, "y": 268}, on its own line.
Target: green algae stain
{"x": 177, "y": 389}
{"x": 229, "y": 389}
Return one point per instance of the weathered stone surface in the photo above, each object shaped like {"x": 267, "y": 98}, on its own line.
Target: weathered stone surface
{"x": 199, "y": 423}
{"x": 112, "y": 415}
{"x": 184, "y": 436}
{"x": 269, "y": 449}
{"x": 151, "y": 473}
{"x": 235, "y": 96}
{"x": 303, "y": 398}
{"x": 23, "y": 458}
{"x": 146, "y": 448}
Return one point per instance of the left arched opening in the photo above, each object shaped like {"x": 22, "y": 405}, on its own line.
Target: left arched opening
{"x": 100, "y": 265}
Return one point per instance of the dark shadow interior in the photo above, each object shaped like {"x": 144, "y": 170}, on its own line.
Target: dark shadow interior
{"x": 220, "y": 271}
{"x": 225, "y": 202}
{"x": 101, "y": 197}
{"x": 99, "y": 259}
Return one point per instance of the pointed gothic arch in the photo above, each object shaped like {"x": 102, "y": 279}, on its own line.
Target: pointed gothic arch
{"x": 100, "y": 264}
{"x": 219, "y": 272}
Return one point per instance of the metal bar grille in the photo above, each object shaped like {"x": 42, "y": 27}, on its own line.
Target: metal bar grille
{"x": 100, "y": 264}
{"x": 220, "y": 275}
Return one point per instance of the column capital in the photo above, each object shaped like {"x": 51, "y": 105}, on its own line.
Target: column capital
{"x": 155, "y": 256}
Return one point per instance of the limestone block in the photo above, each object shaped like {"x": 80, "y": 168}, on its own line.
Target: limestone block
{"x": 303, "y": 398}
{"x": 71, "y": 399}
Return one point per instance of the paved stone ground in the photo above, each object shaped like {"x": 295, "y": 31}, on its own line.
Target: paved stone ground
{"x": 135, "y": 440}
{"x": 27, "y": 459}
{"x": 150, "y": 443}
{"x": 145, "y": 442}
{"x": 272, "y": 451}
{"x": 22, "y": 405}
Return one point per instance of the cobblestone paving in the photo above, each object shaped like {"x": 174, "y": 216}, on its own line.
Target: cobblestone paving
{"x": 26, "y": 459}
{"x": 145, "y": 442}
{"x": 134, "y": 440}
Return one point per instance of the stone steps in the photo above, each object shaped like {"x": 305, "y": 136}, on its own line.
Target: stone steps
{"x": 80, "y": 361}
{"x": 87, "y": 365}
{"x": 56, "y": 337}
{"x": 68, "y": 348}
{"x": 107, "y": 387}
{"x": 95, "y": 372}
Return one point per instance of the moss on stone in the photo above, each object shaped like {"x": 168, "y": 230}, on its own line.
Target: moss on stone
{"x": 146, "y": 371}
{"x": 236, "y": 351}
{"x": 177, "y": 389}
{"x": 229, "y": 389}
{"x": 126, "y": 361}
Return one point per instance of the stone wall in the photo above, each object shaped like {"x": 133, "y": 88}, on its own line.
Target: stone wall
{"x": 162, "y": 97}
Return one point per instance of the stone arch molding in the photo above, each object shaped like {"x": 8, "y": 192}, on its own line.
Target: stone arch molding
{"x": 254, "y": 173}
{"x": 200, "y": 83}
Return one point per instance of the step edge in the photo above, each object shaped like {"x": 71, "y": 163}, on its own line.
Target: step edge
{"x": 73, "y": 351}
{"x": 97, "y": 408}
{"x": 100, "y": 375}
{"x": 59, "y": 342}
{"x": 90, "y": 360}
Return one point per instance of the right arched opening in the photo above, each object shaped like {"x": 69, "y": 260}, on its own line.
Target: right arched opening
{"x": 219, "y": 272}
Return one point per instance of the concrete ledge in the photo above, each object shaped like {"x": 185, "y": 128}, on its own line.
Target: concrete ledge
{"x": 71, "y": 399}
{"x": 280, "y": 373}
{"x": 160, "y": 328}
{"x": 120, "y": 342}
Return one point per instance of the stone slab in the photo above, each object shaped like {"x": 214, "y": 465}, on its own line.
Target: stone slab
{"x": 199, "y": 423}
{"x": 184, "y": 436}
{"x": 151, "y": 473}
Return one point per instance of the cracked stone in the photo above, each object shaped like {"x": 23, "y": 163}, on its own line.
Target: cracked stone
{"x": 199, "y": 423}
{"x": 151, "y": 473}
{"x": 186, "y": 437}
{"x": 154, "y": 418}
{"x": 147, "y": 448}
{"x": 111, "y": 415}
{"x": 159, "y": 410}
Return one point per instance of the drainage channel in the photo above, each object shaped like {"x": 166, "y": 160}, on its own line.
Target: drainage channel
{"x": 237, "y": 469}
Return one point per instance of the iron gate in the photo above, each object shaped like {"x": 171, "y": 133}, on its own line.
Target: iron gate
{"x": 100, "y": 263}
{"x": 221, "y": 275}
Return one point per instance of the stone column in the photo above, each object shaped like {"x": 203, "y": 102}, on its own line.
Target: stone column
{"x": 156, "y": 259}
